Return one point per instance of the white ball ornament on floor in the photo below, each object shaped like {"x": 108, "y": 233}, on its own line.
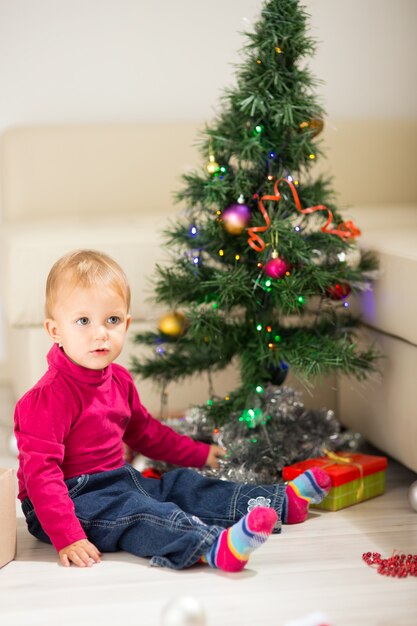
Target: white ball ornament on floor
{"x": 186, "y": 611}
{"x": 13, "y": 446}
{"x": 412, "y": 495}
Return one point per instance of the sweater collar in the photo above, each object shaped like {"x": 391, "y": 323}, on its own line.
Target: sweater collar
{"x": 58, "y": 359}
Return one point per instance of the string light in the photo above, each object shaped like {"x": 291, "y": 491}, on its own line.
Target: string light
{"x": 269, "y": 329}
{"x": 259, "y": 128}
{"x": 346, "y": 305}
{"x": 268, "y": 283}
{"x": 252, "y": 417}
{"x": 278, "y": 50}
{"x": 221, "y": 252}
{"x": 301, "y": 299}
{"x": 193, "y": 231}
{"x": 270, "y": 177}
{"x": 237, "y": 257}
{"x": 259, "y": 327}
{"x": 270, "y": 345}
{"x": 272, "y": 154}
{"x": 259, "y": 389}
{"x": 311, "y": 156}
{"x": 297, "y": 229}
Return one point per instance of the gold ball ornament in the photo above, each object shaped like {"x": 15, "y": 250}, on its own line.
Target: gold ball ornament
{"x": 172, "y": 324}
{"x": 212, "y": 165}
{"x": 315, "y": 126}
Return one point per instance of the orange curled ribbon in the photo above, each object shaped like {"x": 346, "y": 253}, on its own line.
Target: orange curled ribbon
{"x": 255, "y": 241}
{"x": 345, "y": 230}
{"x": 338, "y": 459}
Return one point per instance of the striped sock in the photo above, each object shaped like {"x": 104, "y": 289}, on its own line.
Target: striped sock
{"x": 230, "y": 552}
{"x": 310, "y": 487}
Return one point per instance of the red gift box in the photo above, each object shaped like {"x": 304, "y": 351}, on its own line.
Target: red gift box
{"x": 355, "y": 477}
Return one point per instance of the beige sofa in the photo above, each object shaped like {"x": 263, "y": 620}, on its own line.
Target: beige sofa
{"x": 108, "y": 187}
{"x": 111, "y": 187}
{"x": 384, "y": 409}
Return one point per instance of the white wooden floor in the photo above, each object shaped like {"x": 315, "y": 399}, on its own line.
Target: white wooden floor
{"x": 312, "y": 567}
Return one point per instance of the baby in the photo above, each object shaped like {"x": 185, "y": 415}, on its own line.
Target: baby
{"x": 76, "y": 490}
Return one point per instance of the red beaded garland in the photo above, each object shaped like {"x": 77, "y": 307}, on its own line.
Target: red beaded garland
{"x": 398, "y": 565}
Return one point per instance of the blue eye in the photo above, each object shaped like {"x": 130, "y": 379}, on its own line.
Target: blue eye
{"x": 83, "y": 321}
{"x": 113, "y": 319}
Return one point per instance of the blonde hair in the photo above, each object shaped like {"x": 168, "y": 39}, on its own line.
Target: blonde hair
{"x": 85, "y": 268}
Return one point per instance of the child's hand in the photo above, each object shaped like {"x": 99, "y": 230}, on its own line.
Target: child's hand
{"x": 82, "y": 553}
{"x": 216, "y": 453}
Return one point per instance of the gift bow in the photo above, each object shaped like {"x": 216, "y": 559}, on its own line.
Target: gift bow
{"x": 338, "y": 459}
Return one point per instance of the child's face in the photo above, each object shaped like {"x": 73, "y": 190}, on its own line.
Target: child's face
{"x": 90, "y": 324}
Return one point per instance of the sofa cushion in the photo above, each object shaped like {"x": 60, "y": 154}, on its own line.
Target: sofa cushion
{"x": 93, "y": 169}
{"x": 30, "y": 249}
{"x": 390, "y": 306}
{"x": 382, "y": 408}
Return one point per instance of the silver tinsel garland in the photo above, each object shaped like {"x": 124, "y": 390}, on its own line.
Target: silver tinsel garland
{"x": 260, "y": 442}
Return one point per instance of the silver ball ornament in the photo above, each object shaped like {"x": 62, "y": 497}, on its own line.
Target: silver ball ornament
{"x": 318, "y": 257}
{"x": 185, "y": 611}
{"x": 412, "y": 495}
{"x": 352, "y": 257}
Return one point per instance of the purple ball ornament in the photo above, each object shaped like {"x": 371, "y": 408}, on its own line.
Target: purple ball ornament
{"x": 275, "y": 267}
{"x": 235, "y": 218}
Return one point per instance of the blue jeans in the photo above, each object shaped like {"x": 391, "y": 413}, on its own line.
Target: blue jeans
{"x": 174, "y": 520}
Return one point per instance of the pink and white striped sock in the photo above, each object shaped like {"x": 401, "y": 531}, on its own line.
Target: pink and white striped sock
{"x": 230, "y": 552}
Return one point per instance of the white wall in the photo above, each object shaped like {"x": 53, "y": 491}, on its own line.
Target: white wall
{"x": 124, "y": 60}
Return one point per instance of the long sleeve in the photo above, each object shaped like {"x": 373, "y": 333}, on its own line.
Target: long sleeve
{"x": 150, "y": 437}
{"x": 42, "y": 421}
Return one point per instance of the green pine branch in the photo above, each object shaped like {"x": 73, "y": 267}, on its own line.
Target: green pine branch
{"x": 263, "y": 132}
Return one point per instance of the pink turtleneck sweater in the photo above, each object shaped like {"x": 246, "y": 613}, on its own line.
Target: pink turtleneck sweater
{"x": 74, "y": 421}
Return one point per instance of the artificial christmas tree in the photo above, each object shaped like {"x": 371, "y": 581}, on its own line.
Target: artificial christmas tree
{"x": 263, "y": 264}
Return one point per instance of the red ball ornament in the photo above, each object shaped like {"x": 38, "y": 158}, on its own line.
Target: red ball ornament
{"x": 235, "y": 218}
{"x": 340, "y": 291}
{"x": 275, "y": 268}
